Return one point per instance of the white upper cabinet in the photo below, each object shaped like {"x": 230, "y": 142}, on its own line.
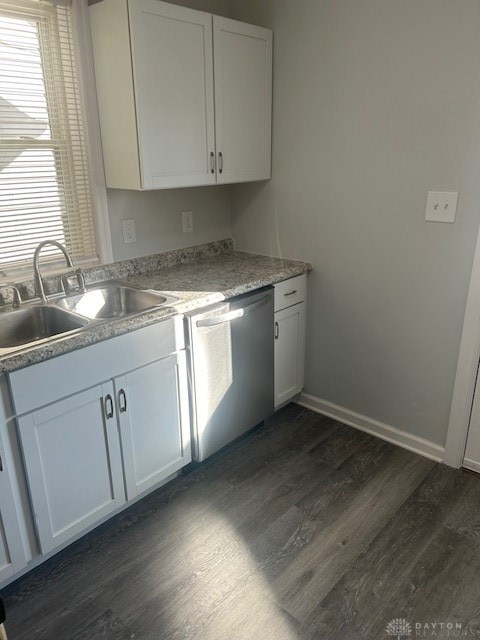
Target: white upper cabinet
{"x": 172, "y": 67}
{"x": 243, "y": 100}
{"x": 165, "y": 123}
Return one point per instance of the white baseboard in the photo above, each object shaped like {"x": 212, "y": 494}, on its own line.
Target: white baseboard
{"x": 471, "y": 465}
{"x": 373, "y": 427}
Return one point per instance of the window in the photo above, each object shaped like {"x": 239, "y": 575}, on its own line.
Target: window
{"x": 45, "y": 183}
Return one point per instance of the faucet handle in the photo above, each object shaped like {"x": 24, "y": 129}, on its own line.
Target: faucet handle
{"x": 17, "y": 298}
{"x": 80, "y": 281}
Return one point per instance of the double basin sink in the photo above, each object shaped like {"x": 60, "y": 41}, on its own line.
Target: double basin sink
{"x": 35, "y": 323}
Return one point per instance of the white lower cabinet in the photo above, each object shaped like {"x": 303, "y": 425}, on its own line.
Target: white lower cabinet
{"x": 152, "y": 405}
{"x": 289, "y": 332}
{"x": 88, "y": 452}
{"x": 12, "y": 552}
{"x": 73, "y": 463}
{"x": 289, "y": 352}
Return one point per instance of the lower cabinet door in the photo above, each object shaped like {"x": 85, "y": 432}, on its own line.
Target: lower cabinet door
{"x": 154, "y": 422}
{"x": 289, "y": 352}
{"x": 12, "y": 553}
{"x": 73, "y": 463}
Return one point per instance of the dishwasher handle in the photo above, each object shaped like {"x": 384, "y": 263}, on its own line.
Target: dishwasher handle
{"x": 236, "y": 313}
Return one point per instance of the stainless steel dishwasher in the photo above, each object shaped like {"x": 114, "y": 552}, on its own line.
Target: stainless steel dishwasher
{"x": 231, "y": 358}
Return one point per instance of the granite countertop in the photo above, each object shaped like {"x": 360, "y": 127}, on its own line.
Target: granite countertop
{"x": 196, "y": 277}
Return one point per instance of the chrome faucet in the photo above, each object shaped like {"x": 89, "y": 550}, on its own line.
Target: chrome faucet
{"x": 17, "y": 299}
{"x": 39, "y": 288}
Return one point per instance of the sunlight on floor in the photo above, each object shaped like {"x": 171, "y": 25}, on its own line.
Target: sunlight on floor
{"x": 231, "y": 597}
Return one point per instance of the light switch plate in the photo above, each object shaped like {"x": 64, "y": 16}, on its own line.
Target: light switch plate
{"x": 441, "y": 206}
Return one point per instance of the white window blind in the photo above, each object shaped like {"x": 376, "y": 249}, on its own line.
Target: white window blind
{"x": 45, "y": 187}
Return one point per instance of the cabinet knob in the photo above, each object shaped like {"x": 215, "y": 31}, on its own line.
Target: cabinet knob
{"x": 277, "y": 330}
{"x": 122, "y": 400}
{"x": 108, "y": 403}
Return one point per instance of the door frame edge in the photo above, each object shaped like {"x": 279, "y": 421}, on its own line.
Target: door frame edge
{"x": 467, "y": 367}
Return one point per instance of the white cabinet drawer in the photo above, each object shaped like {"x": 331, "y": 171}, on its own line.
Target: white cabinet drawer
{"x": 46, "y": 382}
{"x": 290, "y": 292}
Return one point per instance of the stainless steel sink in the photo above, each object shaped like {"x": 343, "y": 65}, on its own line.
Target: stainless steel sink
{"x": 112, "y": 301}
{"x": 33, "y": 324}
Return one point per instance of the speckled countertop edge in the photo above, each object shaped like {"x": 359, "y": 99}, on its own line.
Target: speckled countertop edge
{"x": 215, "y": 272}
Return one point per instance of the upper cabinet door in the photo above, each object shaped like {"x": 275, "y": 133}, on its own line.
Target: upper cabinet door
{"x": 243, "y": 100}
{"x": 173, "y": 78}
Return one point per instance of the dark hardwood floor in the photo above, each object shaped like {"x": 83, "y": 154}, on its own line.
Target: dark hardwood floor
{"x": 306, "y": 529}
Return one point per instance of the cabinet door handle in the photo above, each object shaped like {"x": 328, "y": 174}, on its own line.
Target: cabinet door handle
{"x": 1, "y": 464}
{"x": 122, "y": 400}
{"x": 277, "y": 330}
{"x": 220, "y": 162}
{"x": 108, "y": 403}
{"x": 290, "y": 293}
{"x": 212, "y": 162}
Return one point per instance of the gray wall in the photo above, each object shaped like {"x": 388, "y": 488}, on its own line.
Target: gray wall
{"x": 158, "y": 218}
{"x": 157, "y": 214}
{"x": 375, "y": 103}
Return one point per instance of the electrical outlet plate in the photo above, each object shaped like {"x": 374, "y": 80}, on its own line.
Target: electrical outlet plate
{"x": 187, "y": 218}
{"x": 129, "y": 231}
{"x": 441, "y": 206}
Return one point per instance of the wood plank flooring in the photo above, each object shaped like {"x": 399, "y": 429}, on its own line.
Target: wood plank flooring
{"x": 305, "y": 530}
